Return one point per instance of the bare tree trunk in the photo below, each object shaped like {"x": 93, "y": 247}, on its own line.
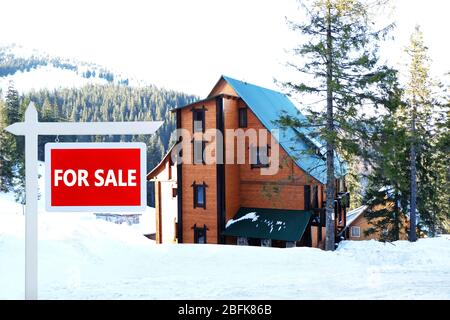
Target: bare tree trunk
{"x": 412, "y": 215}
{"x": 330, "y": 232}
{"x": 396, "y": 219}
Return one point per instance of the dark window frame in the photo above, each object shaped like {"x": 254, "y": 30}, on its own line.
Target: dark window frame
{"x": 257, "y": 154}
{"x": 201, "y": 111}
{"x": 195, "y": 187}
{"x": 315, "y": 197}
{"x": 194, "y": 160}
{"x": 242, "y": 118}
{"x": 197, "y": 230}
{"x": 307, "y": 197}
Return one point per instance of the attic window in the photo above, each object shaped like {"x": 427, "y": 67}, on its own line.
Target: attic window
{"x": 259, "y": 157}
{"x": 243, "y": 118}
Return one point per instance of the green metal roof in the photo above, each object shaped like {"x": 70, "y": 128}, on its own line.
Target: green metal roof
{"x": 268, "y": 106}
{"x": 275, "y": 224}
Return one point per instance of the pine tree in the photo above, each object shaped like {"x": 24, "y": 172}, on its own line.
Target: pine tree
{"x": 388, "y": 181}
{"x": 17, "y": 143}
{"x": 418, "y": 112}
{"x": 343, "y": 69}
{"x": 7, "y": 144}
{"x": 409, "y": 160}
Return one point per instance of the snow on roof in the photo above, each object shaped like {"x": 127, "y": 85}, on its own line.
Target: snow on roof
{"x": 354, "y": 214}
{"x": 251, "y": 215}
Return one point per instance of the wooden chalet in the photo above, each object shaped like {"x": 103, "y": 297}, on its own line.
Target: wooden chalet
{"x": 235, "y": 203}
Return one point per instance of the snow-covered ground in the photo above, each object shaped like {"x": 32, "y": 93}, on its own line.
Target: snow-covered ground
{"x": 84, "y": 258}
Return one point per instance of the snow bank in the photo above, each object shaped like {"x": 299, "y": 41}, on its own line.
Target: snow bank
{"x": 84, "y": 258}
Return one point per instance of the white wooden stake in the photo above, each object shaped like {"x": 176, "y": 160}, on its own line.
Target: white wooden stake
{"x": 31, "y": 129}
{"x": 31, "y": 193}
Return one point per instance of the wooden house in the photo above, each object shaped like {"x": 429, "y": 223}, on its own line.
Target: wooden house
{"x": 234, "y": 203}
{"x": 358, "y": 224}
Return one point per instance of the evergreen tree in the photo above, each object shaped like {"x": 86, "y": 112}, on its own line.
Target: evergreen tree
{"x": 7, "y": 144}
{"x": 388, "y": 181}
{"x": 343, "y": 69}
{"x": 419, "y": 112}
{"x": 407, "y": 152}
{"x": 14, "y": 113}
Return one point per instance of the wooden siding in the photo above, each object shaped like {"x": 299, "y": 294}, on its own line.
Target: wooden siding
{"x": 158, "y": 210}
{"x": 232, "y": 177}
{"x": 222, "y": 87}
{"x": 165, "y": 204}
{"x": 364, "y": 225}
{"x": 284, "y": 190}
{"x": 199, "y": 173}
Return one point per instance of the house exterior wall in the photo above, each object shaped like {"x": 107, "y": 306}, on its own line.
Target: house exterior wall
{"x": 364, "y": 225}
{"x": 232, "y": 172}
{"x": 168, "y": 213}
{"x": 244, "y": 185}
{"x": 165, "y": 180}
{"x": 283, "y": 190}
{"x": 199, "y": 173}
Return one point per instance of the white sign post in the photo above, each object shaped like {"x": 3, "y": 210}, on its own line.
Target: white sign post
{"x": 31, "y": 129}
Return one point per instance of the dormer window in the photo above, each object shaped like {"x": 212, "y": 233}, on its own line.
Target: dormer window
{"x": 243, "y": 118}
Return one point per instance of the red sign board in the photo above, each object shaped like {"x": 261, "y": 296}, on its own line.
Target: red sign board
{"x": 95, "y": 177}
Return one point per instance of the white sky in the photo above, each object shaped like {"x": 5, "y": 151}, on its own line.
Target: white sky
{"x": 187, "y": 45}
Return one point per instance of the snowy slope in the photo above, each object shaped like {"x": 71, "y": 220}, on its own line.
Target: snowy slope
{"x": 46, "y": 77}
{"x": 35, "y": 70}
{"x": 82, "y": 258}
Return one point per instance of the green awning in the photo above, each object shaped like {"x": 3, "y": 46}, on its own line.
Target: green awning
{"x": 275, "y": 224}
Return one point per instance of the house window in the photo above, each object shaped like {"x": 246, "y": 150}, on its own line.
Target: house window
{"x": 243, "y": 118}
{"x": 200, "y": 234}
{"x": 259, "y": 157}
{"x": 199, "y": 150}
{"x": 174, "y": 192}
{"x": 356, "y": 232}
{"x": 198, "y": 120}
{"x": 307, "y": 194}
{"x": 315, "y": 197}
{"x": 199, "y": 195}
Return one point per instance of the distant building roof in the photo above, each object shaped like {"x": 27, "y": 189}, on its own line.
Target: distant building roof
{"x": 355, "y": 214}
{"x": 161, "y": 165}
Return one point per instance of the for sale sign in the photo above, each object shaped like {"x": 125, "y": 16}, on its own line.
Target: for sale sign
{"x": 95, "y": 177}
